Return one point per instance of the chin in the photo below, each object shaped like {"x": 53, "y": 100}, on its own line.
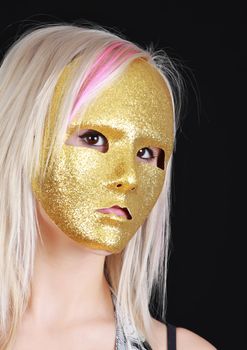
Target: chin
{"x": 100, "y": 252}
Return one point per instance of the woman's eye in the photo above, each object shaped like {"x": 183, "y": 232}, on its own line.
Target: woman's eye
{"x": 93, "y": 138}
{"x": 143, "y": 151}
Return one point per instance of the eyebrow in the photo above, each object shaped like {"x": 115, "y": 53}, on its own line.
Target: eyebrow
{"x": 160, "y": 141}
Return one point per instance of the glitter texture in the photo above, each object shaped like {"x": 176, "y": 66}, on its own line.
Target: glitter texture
{"x": 133, "y": 112}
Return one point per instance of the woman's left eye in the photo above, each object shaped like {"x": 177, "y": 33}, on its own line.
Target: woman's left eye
{"x": 150, "y": 151}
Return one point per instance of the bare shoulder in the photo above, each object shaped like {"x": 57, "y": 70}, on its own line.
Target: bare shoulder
{"x": 186, "y": 339}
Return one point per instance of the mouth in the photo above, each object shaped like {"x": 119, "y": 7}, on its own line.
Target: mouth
{"x": 115, "y": 209}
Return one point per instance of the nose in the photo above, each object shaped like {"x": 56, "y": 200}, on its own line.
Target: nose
{"x": 125, "y": 179}
{"x": 122, "y": 171}
{"x": 123, "y": 184}
{"x": 126, "y": 186}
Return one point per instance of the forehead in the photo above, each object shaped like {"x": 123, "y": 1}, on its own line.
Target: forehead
{"x": 138, "y": 103}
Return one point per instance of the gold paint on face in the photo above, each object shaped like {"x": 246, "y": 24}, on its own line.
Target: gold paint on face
{"x": 132, "y": 113}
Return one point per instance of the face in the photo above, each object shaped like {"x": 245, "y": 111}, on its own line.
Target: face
{"x": 114, "y": 154}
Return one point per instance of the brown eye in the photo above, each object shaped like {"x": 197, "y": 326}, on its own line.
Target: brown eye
{"x": 143, "y": 151}
{"x": 93, "y": 138}
{"x": 157, "y": 153}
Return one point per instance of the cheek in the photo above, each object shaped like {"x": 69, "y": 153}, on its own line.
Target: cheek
{"x": 81, "y": 162}
{"x": 151, "y": 178}
{"x": 71, "y": 185}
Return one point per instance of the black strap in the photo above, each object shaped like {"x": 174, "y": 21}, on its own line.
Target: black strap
{"x": 171, "y": 336}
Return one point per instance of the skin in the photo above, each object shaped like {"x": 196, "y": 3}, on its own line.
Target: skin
{"x": 57, "y": 320}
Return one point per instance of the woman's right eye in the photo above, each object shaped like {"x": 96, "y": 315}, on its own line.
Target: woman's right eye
{"x": 92, "y": 138}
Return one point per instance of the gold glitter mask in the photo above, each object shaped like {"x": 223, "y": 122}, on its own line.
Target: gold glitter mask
{"x": 131, "y": 116}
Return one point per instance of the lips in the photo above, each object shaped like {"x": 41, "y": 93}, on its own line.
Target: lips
{"x": 115, "y": 209}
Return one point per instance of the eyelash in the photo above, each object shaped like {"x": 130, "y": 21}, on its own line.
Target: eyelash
{"x": 87, "y": 134}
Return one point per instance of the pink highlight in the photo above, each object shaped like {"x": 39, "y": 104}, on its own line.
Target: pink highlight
{"x": 109, "y": 60}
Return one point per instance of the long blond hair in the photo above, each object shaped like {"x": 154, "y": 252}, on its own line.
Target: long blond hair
{"x": 29, "y": 73}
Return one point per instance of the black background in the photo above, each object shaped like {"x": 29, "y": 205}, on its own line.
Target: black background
{"x": 205, "y": 289}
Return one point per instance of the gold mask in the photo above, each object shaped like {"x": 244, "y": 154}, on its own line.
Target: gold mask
{"x": 132, "y": 113}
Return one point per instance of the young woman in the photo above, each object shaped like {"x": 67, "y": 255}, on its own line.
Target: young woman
{"x": 87, "y": 132}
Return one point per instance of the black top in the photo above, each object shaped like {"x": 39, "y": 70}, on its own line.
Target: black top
{"x": 171, "y": 337}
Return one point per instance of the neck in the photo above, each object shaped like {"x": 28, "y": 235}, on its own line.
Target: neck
{"x": 68, "y": 283}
